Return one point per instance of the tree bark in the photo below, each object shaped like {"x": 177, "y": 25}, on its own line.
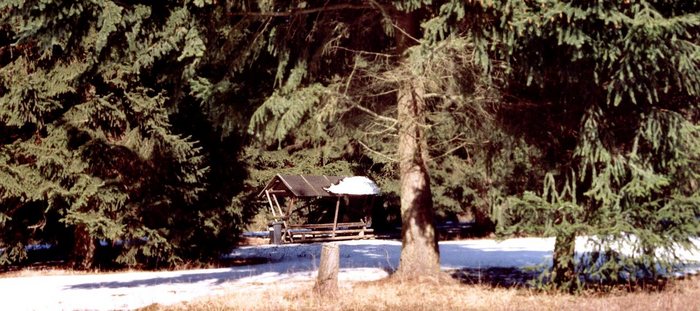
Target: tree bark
{"x": 327, "y": 280}
{"x": 563, "y": 265}
{"x": 420, "y": 255}
{"x": 83, "y": 253}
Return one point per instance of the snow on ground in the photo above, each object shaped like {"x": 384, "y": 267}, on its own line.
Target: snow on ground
{"x": 363, "y": 260}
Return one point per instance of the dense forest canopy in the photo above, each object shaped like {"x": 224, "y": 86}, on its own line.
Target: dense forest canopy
{"x": 149, "y": 127}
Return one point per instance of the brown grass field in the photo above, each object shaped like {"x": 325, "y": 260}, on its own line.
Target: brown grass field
{"x": 446, "y": 295}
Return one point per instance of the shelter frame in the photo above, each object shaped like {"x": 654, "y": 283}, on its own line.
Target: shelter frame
{"x": 295, "y": 188}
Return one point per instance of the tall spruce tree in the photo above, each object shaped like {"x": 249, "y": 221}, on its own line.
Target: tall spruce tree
{"x": 386, "y": 75}
{"x": 87, "y": 150}
{"x": 608, "y": 91}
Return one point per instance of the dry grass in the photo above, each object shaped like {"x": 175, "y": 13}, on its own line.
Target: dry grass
{"x": 50, "y": 271}
{"x": 681, "y": 295}
{"x": 45, "y": 271}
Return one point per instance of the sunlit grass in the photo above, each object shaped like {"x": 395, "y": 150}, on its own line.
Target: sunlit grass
{"x": 450, "y": 295}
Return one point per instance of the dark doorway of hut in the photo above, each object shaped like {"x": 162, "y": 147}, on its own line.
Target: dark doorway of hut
{"x": 335, "y": 195}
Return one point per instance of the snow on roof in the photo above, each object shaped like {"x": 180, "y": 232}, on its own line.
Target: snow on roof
{"x": 304, "y": 186}
{"x": 355, "y": 185}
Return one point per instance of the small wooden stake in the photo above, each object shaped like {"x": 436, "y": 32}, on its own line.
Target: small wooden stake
{"x": 327, "y": 280}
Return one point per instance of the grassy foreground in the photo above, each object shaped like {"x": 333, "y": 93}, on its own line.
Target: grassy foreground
{"x": 680, "y": 295}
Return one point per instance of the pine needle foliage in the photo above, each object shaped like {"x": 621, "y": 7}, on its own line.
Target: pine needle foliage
{"x": 616, "y": 86}
{"x": 92, "y": 154}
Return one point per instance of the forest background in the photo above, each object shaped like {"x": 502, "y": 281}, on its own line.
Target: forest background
{"x": 150, "y": 127}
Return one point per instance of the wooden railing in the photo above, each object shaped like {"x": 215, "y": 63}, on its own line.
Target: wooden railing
{"x": 329, "y": 232}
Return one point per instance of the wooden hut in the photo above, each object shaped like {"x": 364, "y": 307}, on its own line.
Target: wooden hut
{"x": 291, "y": 189}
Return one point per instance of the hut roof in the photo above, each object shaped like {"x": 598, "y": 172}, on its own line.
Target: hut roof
{"x": 302, "y": 186}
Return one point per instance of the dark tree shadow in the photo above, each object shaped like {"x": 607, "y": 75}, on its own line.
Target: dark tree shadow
{"x": 496, "y": 276}
{"x": 470, "y": 263}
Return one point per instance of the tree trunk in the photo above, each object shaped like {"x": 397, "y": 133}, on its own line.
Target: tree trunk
{"x": 563, "y": 265}
{"x": 419, "y": 254}
{"x": 83, "y": 248}
{"x": 327, "y": 280}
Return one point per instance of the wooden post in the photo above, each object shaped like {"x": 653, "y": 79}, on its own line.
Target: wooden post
{"x": 327, "y": 280}
{"x": 277, "y": 233}
{"x": 335, "y": 218}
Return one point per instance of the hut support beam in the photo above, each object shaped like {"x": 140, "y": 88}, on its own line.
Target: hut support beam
{"x": 290, "y": 205}
{"x": 272, "y": 206}
{"x": 279, "y": 212}
{"x": 279, "y": 209}
{"x": 335, "y": 217}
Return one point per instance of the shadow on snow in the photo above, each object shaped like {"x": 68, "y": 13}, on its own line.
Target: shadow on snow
{"x": 286, "y": 262}
{"x": 501, "y": 264}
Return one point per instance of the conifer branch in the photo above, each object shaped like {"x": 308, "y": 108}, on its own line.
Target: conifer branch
{"x": 376, "y": 115}
{"x": 337, "y": 7}
{"x": 405, "y": 33}
{"x": 386, "y": 129}
{"x": 376, "y": 152}
{"x": 452, "y": 150}
{"x": 364, "y": 52}
{"x": 352, "y": 73}
{"x": 383, "y": 93}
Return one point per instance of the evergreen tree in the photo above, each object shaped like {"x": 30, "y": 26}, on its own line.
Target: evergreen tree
{"x": 88, "y": 149}
{"x": 370, "y": 72}
{"x": 608, "y": 91}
